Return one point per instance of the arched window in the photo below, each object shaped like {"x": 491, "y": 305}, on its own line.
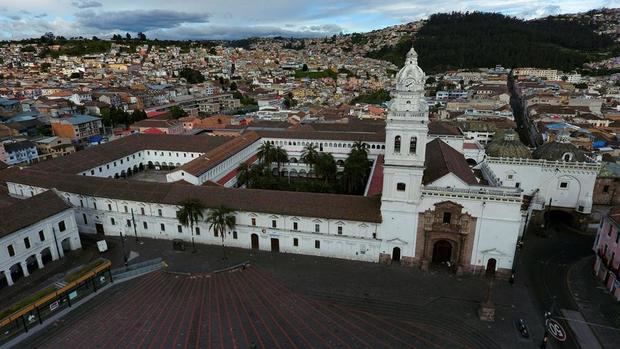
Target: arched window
{"x": 567, "y": 156}
{"x": 397, "y": 144}
{"x": 412, "y": 145}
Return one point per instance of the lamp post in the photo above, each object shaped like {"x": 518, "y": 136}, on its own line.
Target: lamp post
{"x": 133, "y": 221}
{"x": 123, "y": 246}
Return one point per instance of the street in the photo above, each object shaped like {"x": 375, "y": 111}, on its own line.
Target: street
{"x": 544, "y": 264}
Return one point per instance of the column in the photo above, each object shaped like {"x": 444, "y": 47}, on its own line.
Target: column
{"x": 24, "y": 268}
{"x": 9, "y": 279}
{"x": 39, "y": 260}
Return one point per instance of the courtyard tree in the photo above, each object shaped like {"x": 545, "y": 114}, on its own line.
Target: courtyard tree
{"x": 325, "y": 166}
{"x": 243, "y": 175}
{"x": 279, "y": 156}
{"x": 176, "y": 112}
{"x": 191, "y": 212}
{"x": 265, "y": 153}
{"x": 356, "y": 168}
{"x": 309, "y": 155}
{"x": 221, "y": 220}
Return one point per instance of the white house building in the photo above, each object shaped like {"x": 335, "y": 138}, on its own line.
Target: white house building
{"x": 34, "y": 232}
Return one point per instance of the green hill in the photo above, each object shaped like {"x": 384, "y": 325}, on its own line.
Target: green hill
{"x": 472, "y": 40}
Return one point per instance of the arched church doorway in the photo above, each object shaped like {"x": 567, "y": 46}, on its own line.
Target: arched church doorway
{"x": 491, "y": 266}
{"x": 254, "y": 242}
{"x": 396, "y": 254}
{"x": 442, "y": 251}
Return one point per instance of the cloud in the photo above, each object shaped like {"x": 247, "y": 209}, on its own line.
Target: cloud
{"x": 14, "y": 17}
{"x": 221, "y": 32}
{"x": 139, "y": 20}
{"x": 86, "y": 4}
{"x": 41, "y": 15}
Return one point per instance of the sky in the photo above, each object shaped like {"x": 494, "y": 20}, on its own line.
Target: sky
{"x": 235, "y": 19}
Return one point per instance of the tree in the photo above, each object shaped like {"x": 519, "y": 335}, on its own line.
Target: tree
{"x": 564, "y": 77}
{"x": 141, "y": 36}
{"x": 243, "y": 175}
{"x": 94, "y": 38}
{"x": 265, "y": 153}
{"x": 356, "y": 168}
{"x": 220, "y": 220}
{"x": 430, "y": 80}
{"x": 191, "y": 75}
{"x": 233, "y": 86}
{"x": 191, "y": 212}
{"x": 309, "y": 155}
{"x": 127, "y": 36}
{"x": 280, "y": 156}
{"x": 304, "y": 67}
{"x": 177, "y": 112}
{"x": 325, "y": 166}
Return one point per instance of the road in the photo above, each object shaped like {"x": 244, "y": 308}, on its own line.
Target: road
{"x": 544, "y": 264}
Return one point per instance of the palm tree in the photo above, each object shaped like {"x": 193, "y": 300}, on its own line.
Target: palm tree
{"x": 220, "y": 220}
{"x": 265, "y": 153}
{"x": 280, "y": 156}
{"x": 191, "y": 212}
{"x": 243, "y": 175}
{"x": 356, "y": 168}
{"x": 326, "y": 166}
{"x": 309, "y": 155}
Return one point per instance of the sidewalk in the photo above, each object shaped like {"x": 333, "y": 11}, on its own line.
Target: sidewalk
{"x": 595, "y": 303}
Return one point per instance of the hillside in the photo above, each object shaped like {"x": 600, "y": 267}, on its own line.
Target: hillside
{"x": 472, "y": 40}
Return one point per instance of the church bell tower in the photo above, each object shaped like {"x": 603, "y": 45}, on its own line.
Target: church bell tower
{"x": 406, "y": 136}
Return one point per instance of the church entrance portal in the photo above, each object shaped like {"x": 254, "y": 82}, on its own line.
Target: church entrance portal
{"x": 254, "y": 242}
{"x": 442, "y": 251}
{"x": 275, "y": 245}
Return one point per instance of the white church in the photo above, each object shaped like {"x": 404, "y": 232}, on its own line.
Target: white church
{"x": 432, "y": 207}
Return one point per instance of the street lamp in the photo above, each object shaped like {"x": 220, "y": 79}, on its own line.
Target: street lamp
{"x": 123, "y": 246}
{"x": 133, "y": 221}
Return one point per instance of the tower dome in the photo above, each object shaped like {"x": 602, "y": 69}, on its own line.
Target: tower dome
{"x": 411, "y": 77}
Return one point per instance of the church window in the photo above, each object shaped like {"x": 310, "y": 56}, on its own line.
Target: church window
{"x": 295, "y": 226}
{"x": 234, "y": 234}
{"x": 567, "y": 156}
{"x": 401, "y": 186}
{"x": 197, "y": 231}
{"x": 397, "y": 144}
{"x": 412, "y": 145}
{"x": 112, "y": 221}
{"x": 317, "y": 244}
{"x": 563, "y": 185}
{"x": 517, "y": 185}
{"x": 339, "y": 230}
{"x": 447, "y": 217}
{"x": 317, "y": 228}
{"x": 274, "y": 223}
{"x": 162, "y": 227}
{"x": 253, "y": 221}
{"x": 295, "y": 242}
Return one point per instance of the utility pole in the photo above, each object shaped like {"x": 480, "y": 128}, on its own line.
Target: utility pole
{"x": 133, "y": 221}
{"x": 123, "y": 246}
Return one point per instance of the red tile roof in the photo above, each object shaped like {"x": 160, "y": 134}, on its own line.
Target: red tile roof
{"x": 442, "y": 159}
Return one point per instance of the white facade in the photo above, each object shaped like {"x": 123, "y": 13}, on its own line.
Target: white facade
{"x": 37, "y": 244}
{"x": 559, "y": 183}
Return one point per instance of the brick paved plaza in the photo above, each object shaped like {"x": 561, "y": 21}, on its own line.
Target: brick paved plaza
{"x": 234, "y": 310}
{"x": 288, "y": 301}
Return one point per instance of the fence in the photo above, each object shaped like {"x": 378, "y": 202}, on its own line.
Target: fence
{"x": 33, "y": 315}
{"x": 137, "y": 269}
